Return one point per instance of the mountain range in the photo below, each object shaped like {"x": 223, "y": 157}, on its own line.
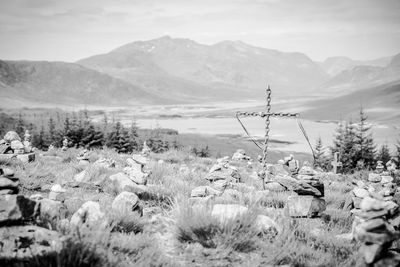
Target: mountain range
{"x": 174, "y": 70}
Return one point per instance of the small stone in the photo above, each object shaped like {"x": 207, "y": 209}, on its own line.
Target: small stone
{"x": 80, "y": 177}
{"x": 36, "y": 197}
{"x": 356, "y": 202}
{"x": 7, "y": 192}
{"x": 139, "y": 159}
{"x": 371, "y": 237}
{"x": 83, "y": 162}
{"x": 373, "y": 224}
{"x": 121, "y": 181}
{"x": 6, "y": 183}
{"x": 9, "y": 173}
{"x": 360, "y": 193}
{"x": 203, "y": 191}
{"x": 52, "y": 209}
{"x": 219, "y": 185}
{"x": 306, "y": 170}
{"x": 17, "y": 145}
{"x": 371, "y": 252}
{"x": 374, "y": 177}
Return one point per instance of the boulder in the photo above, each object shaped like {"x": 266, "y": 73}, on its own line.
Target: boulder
{"x": 127, "y": 202}
{"x": 26, "y": 158}
{"x": 307, "y": 170}
{"x": 371, "y": 204}
{"x": 136, "y": 175}
{"x": 90, "y": 215}
{"x": 16, "y": 208}
{"x": 305, "y": 206}
{"x": 17, "y": 145}
{"x": 81, "y": 177}
{"x": 386, "y": 179}
{"x": 57, "y": 193}
{"x": 139, "y": 159}
{"x": 24, "y": 244}
{"x": 11, "y": 136}
{"x": 227, "y": 212}
{"x": 219, "y": 185}
{"x": 6, "y": 183}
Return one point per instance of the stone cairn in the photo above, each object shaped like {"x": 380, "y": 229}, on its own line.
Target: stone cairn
{"x": 65, "y": 144}
{"x": 309, "y": 201}
{"x": 11, "y": 146}
{"x": 375, "y": 233}
{"x": 83, "y": 158}
{"x": 19, "y": 239}
{"x": 220, "y": 176}
{"x": 135, "y": 175}
{"x": 376, "y": 217}
{"x": 145, "y": 150}
{"x": 240, "y": 155}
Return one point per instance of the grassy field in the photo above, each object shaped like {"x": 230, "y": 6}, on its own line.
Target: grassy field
{"x": 174, "y": 233}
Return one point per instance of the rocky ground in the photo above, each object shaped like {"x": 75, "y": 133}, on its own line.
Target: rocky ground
{"x": 100, "y": 208}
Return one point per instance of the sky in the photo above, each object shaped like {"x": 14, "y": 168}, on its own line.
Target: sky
{"x": 68, "y": 30}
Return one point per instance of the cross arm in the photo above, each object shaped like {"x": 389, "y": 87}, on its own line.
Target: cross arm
{"x": 265, "y": 114}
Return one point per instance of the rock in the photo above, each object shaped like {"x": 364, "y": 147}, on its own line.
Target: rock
{"x": 231, "y": 195}
{"x": 11, "y": 136}
{"x": 26, "y": 158}
{"x": 121, "y": 181}
{"x": 239, "y": 155}
{"x": 346, "y": 236}
{"x": 57, "y": 193}
{"x": 24, "y": 244}
{"x": 6, "y": 183}
{"x": 6, "y": 172}
{"x": 127, "y": 202}
{"x": 226, "y": 212}
{"x": 36, "y": 197}
{"x": 16, "y": 208}
{"x": 104, "y": 163}
{"x": 89, "y": 214}
{"x": 368, "y": 204}
{"x": 52, "y": 209}
{"x": 374, "y": 224}
{"x": 81, "y": 177}
{"x": 228, "y": 174}
{"x": 139, "y": 159}
{"x": 277, "y": 169}
{"x": 386, "y": 179}
{"x": 356, "y": 202}
{"x": 371, "y": 237}
{"x": 305, "y": 206}
{"x": 136, "y": 175}
{"x": 374, "y": 177}
{"x": 360, "y": 193}
{"x": 17, "y": 145}
{"x": 83, "y": 162}
{"x": 306, "y": 189}
{"x": 274, "y": 186}
{"x": 264, "y": 224}
{"x": 288, "y": 182}
{"x": 7, "y": 192}
{"x": 371, "y": 252}
{"x": 219, "y": 185}
{"x": 5, "y": 149}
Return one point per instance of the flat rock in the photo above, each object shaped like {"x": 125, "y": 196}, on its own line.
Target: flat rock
{"x": 203, "y": 191}
{"x": 307, "y": 189}
{"x": 307, "y": 170}
{"x": 368, "y": 204}
{"x": 360, "y": 192}
{"x": 220, "y": 185}
{"x": 16, "y": 145}
{"x": 386, "y": 179}
{"x": 228, "y": 174}
{"x": 264, "y": 224}
{"x": 374, "y": 177}
{"x": 371, "y": 252}
{"x": 305, "y": 206}
{"x": 139, "y": 159}
{"x": 52, "y": 209}
{"x": 6, "y": 183}
{"x": 16, "y": 208}
{"x": 26, "y": 158}
{"x": 26, "y": 244}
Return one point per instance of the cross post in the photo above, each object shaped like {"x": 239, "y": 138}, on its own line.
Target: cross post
{"x": 267, "y": 115}
{"x": 335, "y": 163}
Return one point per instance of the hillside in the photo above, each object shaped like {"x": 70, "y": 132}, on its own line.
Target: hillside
{"x": 381, "y": 103}
{"x": 174, "y": 66}
{"x": 362, "y": 77}
{"x": 35, "y": 82}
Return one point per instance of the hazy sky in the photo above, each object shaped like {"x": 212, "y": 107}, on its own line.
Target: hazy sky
{"x": 72, "y": 29}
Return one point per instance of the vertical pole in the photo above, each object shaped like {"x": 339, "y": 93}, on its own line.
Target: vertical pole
{"x": 266, "y": 137}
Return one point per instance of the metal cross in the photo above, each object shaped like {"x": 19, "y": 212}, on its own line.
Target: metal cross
{"x": 267, "y": 114}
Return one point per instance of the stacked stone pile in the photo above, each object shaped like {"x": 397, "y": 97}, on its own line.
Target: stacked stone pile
{"x": 105, "y": 163}
{"x": 309, "y": 201}
{"x": 134, "y": 176}
{"x": 11, "y": 146}
{"x": 83, "y": 158}
{"x": 223, "y": 171}
{"x": 375, "y": 233}
{"x": 19, "y": 240}
{"x": 240, "y": 155}
{"x": 65, "y": 144}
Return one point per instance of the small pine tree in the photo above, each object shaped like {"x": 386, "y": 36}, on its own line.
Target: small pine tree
{"x": 320, "y": 158}
{"x": 397, "y": 158}
{"x": 20, "y": 126}
{"x": 384, "y": 154}
{"x": 38, "y": 140}
{"x": 118, "y": 139}
{"x": 364, "y": 142}
{"x": 133, "y": 136}
{"x": 52, "y": 131}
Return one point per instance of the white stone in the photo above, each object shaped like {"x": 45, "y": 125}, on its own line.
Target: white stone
{"x": 361, "y": 193}
{"x": 122, "y": 181}
{"x": 126, "y": 202}
{"x": 264, "y": 223}
{"x": 386, "y": 179}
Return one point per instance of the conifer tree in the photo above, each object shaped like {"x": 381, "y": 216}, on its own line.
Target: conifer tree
{"x": 134, "y": 136}
{"x": 20, "y": 126}
{"x": 92, "y": 138}
{"x": 118, "y": 138}
{"x": 52, "y": 131}
{"x": 397, "y": 158}
{"x": 384, "y": 154}
{"x": 320, "y": 158}
{"x": 364, "y": 142}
